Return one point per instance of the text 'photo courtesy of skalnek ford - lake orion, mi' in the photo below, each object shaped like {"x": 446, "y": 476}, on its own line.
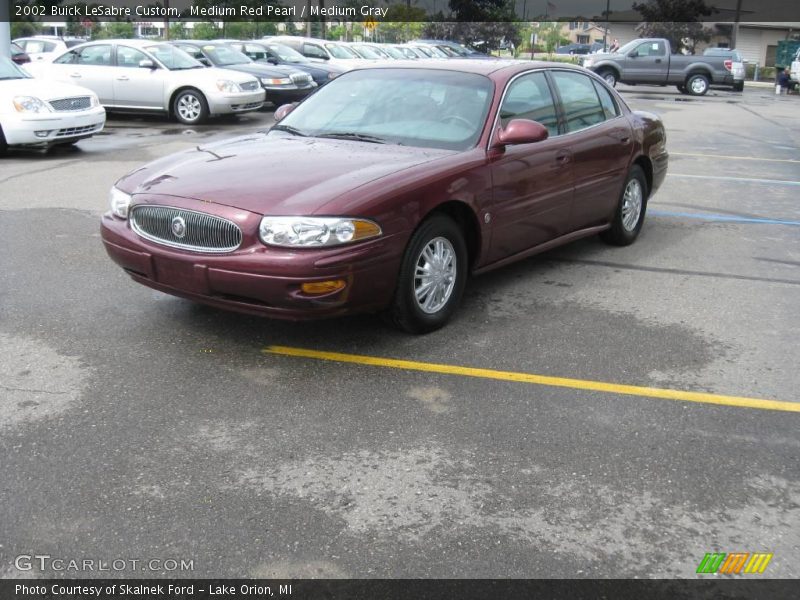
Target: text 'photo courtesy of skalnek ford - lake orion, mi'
{"x": 383, "y": 299}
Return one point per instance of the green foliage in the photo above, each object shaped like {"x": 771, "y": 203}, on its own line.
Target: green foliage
{"x": 402, "y": 23}
{"x": 485, "y": 36}
{"x": 177, "y": 31}
{"x": 24, "y": 29}
{"x": 205, "y": 30}
{"x": 114, "y": 30}
{"x": 675, "y": 20}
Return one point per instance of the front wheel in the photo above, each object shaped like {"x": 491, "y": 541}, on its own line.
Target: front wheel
{"x": 629, "y": 215}
{"x": 697, "y": 85}
{"x": 432, "y": 277}
{"x": 190, "y": 107}
{"x": 609, "y": 76}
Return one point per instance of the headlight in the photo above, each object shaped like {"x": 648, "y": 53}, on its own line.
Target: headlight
{"x": 282, "y": 81}
{"x": 228, "y": 86}
{"x": 315, "y": 231}
{"x": 94, "y": 101}
{"x": 30, "y": 104}
{"x": 120, "y": 202}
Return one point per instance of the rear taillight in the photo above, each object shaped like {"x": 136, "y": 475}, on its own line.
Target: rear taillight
{"x": 729, "y": 64}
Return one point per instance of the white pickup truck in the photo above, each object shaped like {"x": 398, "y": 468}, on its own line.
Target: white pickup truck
{"x": 795, "y": 68}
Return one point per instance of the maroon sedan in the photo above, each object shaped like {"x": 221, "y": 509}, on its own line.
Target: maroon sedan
{"x": 18, "y": 55}
{"x": 386, "y": 188}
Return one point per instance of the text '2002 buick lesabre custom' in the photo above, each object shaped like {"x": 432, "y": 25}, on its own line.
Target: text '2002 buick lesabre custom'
{"x": 386, "y": 188}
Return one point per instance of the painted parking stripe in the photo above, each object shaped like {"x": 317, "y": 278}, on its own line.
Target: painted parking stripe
{"x": 740, "y": 179}
{"x": 714, "y": 217}
{"x": 723, "y": 156}
{"x": 578, "y": 384}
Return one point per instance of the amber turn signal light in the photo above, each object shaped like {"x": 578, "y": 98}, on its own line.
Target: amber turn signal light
{"x": 323, "y": 287}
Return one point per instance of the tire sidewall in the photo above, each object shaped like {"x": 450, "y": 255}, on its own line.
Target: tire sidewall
{"x": 203, "y": 107}
{"x": 617, "y": 234}
{"x": 406, "y": 310}
{"x": 691, "y": 90}
{"x": 609, "y": 78}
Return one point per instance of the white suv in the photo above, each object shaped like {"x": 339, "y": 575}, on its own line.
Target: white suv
{"x": 46, "y": 48}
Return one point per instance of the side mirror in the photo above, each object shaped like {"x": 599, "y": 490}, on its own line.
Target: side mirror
{"x": 205, "y": 61}
{"x": 283, "y": 110}
{"x": 147, "y": 64}
{"x": 633, "y": 54}
{"x": 520, "y": 131}
{"x": 272, "y": 60}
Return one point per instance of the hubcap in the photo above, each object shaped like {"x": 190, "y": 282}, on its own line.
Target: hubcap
{"x": 632, "y": 204}
{"x": 189, "y": 107}
{"x": 698, "y": 86}
{"x": 610, "y": 79}
{"x": 435, "y": 275}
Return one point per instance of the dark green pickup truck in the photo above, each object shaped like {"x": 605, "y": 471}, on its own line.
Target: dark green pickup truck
{"x": 650, "y": 61}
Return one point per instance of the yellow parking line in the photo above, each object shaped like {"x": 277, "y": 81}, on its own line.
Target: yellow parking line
{"x": 784, "y": 160}
{"x": 578, "y": 384}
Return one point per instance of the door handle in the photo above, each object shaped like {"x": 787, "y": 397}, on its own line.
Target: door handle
{"x": 563, "y": 157}
{"x": 122, "y": 78}
{"x": 658, "y": 60}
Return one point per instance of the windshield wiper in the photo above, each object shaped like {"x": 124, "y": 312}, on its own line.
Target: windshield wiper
{"x": 349, "y": 135}
{"x": 288, "y": 129}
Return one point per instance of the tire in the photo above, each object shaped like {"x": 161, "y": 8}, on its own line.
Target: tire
{"x": 3, "y": 145}
{"x": 609, "y": 76}
{"x": 738, "y": 87}
{"x": 190, "y": 107}
{"x": 697, "y": 84}
{"x": 625, "y": 227}
{"x": 412, "y": 309}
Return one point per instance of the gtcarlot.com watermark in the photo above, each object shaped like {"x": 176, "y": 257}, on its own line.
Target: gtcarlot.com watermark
{"x": 48, "y": 563}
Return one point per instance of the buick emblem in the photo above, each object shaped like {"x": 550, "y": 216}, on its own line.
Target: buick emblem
{"x": 179, "y": 227}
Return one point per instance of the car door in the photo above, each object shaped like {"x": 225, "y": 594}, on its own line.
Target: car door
{"x": 90, "y": 66}
{"x": 532, "y": 182}
{"x": 135, "y": 86}
{"x": 647, "y": 63}
{"x": 601, "y": 141}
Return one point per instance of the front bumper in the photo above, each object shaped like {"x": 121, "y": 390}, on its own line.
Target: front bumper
{"x": 225, "y": 104}
{"x": 52, "y": 127}
{"x": 285, "y": 94}
{"x": 257, "y": 279}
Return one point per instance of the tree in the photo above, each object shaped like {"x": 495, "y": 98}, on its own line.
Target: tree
{"x": 485, "y": 35}
{"x": 676, "y": 20}
{"x": 402, "y": 23}
{"x": 177, "y": 31}
{"x": 115, "y": 30}
{"x": 205, "y": 30}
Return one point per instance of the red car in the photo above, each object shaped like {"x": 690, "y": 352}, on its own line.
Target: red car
{"x": 18, "y": 55}
{"x": 387, "y": 187}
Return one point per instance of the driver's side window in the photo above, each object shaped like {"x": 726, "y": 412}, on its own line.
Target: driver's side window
{"x": 529, "y": 97}
{"x": 651, "y": 49}
{"x": 314, "y": 51}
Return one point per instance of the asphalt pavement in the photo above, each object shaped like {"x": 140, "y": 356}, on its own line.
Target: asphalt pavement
{"x": 138, "y": 426}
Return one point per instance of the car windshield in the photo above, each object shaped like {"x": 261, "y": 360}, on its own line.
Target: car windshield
{"x": 222, "y": 56}
{"x": 393, "y": 52}
{"x": 288, "y": 54}
{"x": 629, "y": 46}
{"x": 366, "y": 52}
{"x": 173, "y": 58}
{"x": 8, "y": 70}
{"x": 338, "y": 51}
{"x": 412, "y": 107}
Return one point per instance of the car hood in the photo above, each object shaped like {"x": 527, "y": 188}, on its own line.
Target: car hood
{"x": 43, "y": 89}
{"x": 260, "y": 69}
{"x": 274, "y": 173}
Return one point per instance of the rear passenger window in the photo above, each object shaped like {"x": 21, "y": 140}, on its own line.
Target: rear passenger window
{"x": 580, "y": 102}
{"x": 529, "y": 97}
{"x": 95, "y": 55}
{"x": 610, "y": 107}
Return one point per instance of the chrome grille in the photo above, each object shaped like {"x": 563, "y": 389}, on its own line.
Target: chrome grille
{"x": 201, "y": 232}
{"x": 300, "y": 78}
{"x": 250, "y": 86}
{"x": 70, "y": 104}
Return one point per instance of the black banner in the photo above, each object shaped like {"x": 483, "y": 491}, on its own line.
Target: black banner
{"x": 397, "y": 589}
{"x": 619, "y": 11}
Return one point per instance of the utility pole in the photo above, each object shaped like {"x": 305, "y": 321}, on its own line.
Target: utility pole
{"x": 605, "y": 33}
{"x": 5, "y": 29}
{"x": 166, "y": 19}
{"x": 735, "y": 30}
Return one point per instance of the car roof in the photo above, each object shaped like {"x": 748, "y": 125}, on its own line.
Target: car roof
{"x": 466, "y": 65}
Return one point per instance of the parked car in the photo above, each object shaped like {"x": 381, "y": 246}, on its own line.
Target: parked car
{"x": 734, "y": 62}
{"x": 44, "y": 113}
{"x": 332, "y": 53}
{"x": 18, "y": 55}
{"x": 574, "y": 49}
{"x": 650, "y": 61}
{"x": 279, "y": 54}
{"x": 393, "y": 51}
{"x": 281, "y": 84}
{"x": 794, "y": 70}
{"x": 409, "y": 53}
{"x": 387, "y": 187}
{"x": 453, "y": 48}
{"x": 368, "y": 51}
{"x": 47, "y": 47}
{"x": 148, "y": 76}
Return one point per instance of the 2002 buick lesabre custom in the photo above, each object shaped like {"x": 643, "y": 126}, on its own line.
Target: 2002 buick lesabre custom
{"x": 386, "y": 188}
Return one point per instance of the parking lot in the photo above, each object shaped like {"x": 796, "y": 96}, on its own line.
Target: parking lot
{"x": 135, "y": 425}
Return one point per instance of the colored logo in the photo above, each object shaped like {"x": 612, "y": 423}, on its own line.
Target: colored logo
{"x": 735, "y": 563}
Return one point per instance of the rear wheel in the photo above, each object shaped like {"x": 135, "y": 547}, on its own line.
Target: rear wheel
{"x": 629, "y": 216}
{"x": 697, "y": 84}
{"x": 738, "y": 86}
{"x": 190, "y": 107}
{"x": 3, "y": 145}
{"x": 432, "y": 277}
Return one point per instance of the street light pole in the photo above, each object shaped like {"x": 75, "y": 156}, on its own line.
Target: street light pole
{"x": 605, "y": 33}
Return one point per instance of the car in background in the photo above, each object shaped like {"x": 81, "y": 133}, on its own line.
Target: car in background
{"x": 387, "y": 187}
{"x": 153, "y": 77}
{"x": 425, "y": 51}
{"x": 281, "y": 84}
{"x": 734, "y": 62}
{"x": 332, "y": 53}
{"x": 794, "y": 70}
{"x": 47, "y": 47}
{"x": 44, "y": 113}
{"x": 278, "y": 54}
{"x": 453, "y": 49}
{"x": 574, "y": 49}
{"x": 408, "y": 52}
{"x": 18, "y": 55}
{"x": 369, "y": 51}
